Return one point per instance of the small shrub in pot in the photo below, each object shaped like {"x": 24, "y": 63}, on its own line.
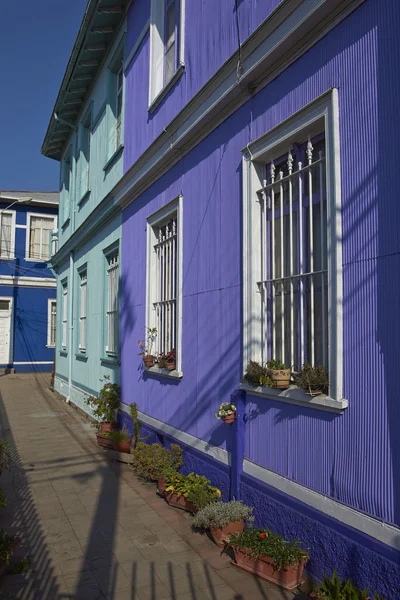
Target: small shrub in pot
{"x": 223, "y": 519}
{"x": 150, "y": 460}
{"x": 257, "y": 375}
{"x": 121, "y": 440}
{"x": 105, "y": 405}
{"x": 146, "y": 346}
{"x": 313, "y": 380}
{"x": 190, "y": 492}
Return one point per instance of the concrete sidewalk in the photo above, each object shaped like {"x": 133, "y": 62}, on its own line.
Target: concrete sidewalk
{"x": 91, "y": 529}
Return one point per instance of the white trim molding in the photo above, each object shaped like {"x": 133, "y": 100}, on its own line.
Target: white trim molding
{"x": 221, "y": 455}
{"x": 320, "y": 115}
{"x": 295, "y": 395}
{"x": 41, "y": 282}
{"x": 387, "y": 534}
{"x": 50, "y": 302}
{"x": 32, "y": 362}
{"x": 289, "y": 31}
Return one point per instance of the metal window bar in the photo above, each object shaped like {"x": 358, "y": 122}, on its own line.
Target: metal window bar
{"x": 112, "y": 310}
{"x": 165, "y": 303}
{"x": 82, "y": 314}
{"x": 293, "y": 291}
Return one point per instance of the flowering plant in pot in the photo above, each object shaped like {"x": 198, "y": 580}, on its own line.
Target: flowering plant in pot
{"x": 5, "y": 457}
{"x": 226, "y": 412}
{"x": 190, "y": 492}
{"x": 313, "y": 380}
{"x": 121, "y": 440}
{"x": 146, "y": 346}
{"x": 105, "y": 405}
{"x": 257, "y": 374}
{"x": 223, "y": 519}
{"x": 336, "y": 589}
{"x": 269, "y": 556}
{"x": 279, "y": 373}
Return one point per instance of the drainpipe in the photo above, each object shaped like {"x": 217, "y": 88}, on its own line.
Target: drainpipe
{"x": 71, "y": 323}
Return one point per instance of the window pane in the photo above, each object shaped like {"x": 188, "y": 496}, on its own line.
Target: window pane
{"x": 5, "y": 235}
{"x": 170, "y": 63}
{"x": 165, "y": 304}
{"x": 170, "y": 24}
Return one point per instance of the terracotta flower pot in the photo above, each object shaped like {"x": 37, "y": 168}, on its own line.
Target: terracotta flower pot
{"x": 222, "y": 536}
{"x": 124, "y": 447}
{"x": 281, "y": 378}
{"x": 161, "y": 485}
{"x": 148, "y": 361}
{"x": 103, "y": 441}
{"x": 108, "y": 426}
{"x": 171, "y": 365}
{"x": 288, "y": 578}
{"x": 229, "y": 419}
{"x": 181, "y": 502}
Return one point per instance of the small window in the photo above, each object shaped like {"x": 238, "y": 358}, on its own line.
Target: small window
{"x": 164, "y": 280}
{"x": 7, "y": 234}
{"x": 64, "y": 315}
{"x": 112, "y": 303}
{"x": 84, "y": 156}
{"x": 51, "y": 323}
{"x": 166, "y": 43}
{"x": 40, "y": 228}
{"x": 82, "y": 310}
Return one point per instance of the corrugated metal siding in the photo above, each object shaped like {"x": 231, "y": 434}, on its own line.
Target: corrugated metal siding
{"x": 354, "y": 457}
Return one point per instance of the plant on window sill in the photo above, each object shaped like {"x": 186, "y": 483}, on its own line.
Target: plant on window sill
{"x": 313, "y": 380}
{"x": 167, "y": 361}
{"x": 146, "y": 346}
{"x": 279, "y": 373}
{"x": 257, "y": 375}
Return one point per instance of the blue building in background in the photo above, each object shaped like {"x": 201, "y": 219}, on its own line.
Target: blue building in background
{"x": 27, "y": 286}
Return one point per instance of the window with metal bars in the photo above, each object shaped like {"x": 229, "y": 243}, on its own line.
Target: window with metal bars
{"x": 82, "y": 310}
{"x": 64, "y": 315}
{"x": 112, "y": 303}
{"x": 294, "y": 261}
{"x": 51, "y": 330}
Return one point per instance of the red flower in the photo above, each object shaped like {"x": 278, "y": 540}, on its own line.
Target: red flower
{"x": 262, "y": 536}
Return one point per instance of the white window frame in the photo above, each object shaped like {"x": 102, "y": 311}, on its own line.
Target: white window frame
{"x": 28, "y": 235}
{"x": 157, "y": 23}
{"x": 10, "y": 299}
{"x": 50, "y": 303}
{"x": 64, "y": 314}
{"x": 255, "y": 156}
{"x": 12, "y": 245}
{"x": 153, "y": 222}
{"x": 82, "y": 339}
{"x": 113, "y": 352}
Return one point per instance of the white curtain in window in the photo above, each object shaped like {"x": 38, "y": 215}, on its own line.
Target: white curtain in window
{"x": 5, "y": 235}
{"x": 40, "y": 236}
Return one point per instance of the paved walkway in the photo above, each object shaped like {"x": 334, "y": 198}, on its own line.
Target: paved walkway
{"x": 91, "y": 529}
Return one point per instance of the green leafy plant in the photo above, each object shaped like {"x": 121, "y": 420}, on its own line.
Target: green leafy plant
{"x": 7, "y": 545}
{"x": 3, "y": 499}
{"x": 153, "y": 460}
{"x": 257, "y": 375}
{"x": 225, "y": 409}
{"x": 5, "y": 456}
{"x": 276, "y": 365}
{"x": 195, "y": 488}
{"x": 264, "y": 542}
{"x": 21, "y": 566}
{"x": 313, "y": 380}
{"x": 336, "y": 589}
{"x": 146, "y": 345}
{"x": 121, "y": 435}
{"x": 219, "y": 514}
{"x": 107, "y": 402}
{"x": 137, "y": 426}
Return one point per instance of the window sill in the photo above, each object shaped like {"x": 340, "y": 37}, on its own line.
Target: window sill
{"x": 295, "y": 395}
{"x": 50, "y": 346}
{"x": 161, "y": 95}
{"x": 84, "y": 197}
{"x": 37, "y": 260}
{"x": 113, "y": 157}
{"x": 110, "y": 360}
{"x": 66, "y": 223}
{"x": 81, "y": 356}
{"x": 7, "y": 257}
{"x": 163, "y": 372}
{"x": 63, "y": 353}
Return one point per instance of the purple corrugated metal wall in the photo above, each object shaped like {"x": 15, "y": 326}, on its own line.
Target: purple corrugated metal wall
{"x": 353, "y": 457}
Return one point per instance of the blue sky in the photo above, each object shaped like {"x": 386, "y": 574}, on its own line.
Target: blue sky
{"x": 36, "y": 40}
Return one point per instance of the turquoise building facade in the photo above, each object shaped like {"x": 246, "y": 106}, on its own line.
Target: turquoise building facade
{"x": 85, "y": 134}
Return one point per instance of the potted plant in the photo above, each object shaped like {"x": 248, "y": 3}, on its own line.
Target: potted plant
{"x": 103, "y": 439}
{"x": 5, "y": 457}
{"x": 8, "y": 544}
{"x": 170, "y": 359}
{"x": 226, "y": 412}
{"x": 121, "y": 440}
{"x": 191, "y": 492}
{"x": 223, "y": 519}
{"x": 150, "y": 460}
{"x": 269, "y": 556}
{"x": 146, "y": 346}
{"x": 257, "y": 375}
{"x": 335, "y": 589}
{"x": 105, "y": 405}
{"x": 313, "y": 380}
{"x": 279, "y": 373}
